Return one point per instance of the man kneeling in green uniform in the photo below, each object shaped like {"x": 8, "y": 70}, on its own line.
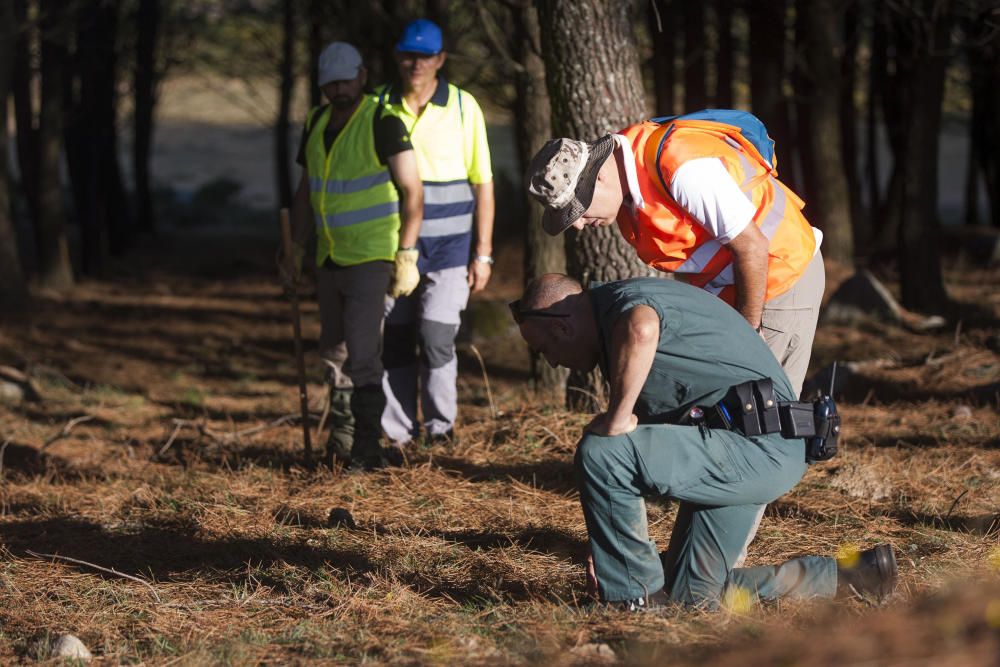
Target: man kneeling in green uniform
{"x": 671, "y": 353}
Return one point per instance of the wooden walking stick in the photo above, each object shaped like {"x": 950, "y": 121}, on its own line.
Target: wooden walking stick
{"x": 286, "y": 242}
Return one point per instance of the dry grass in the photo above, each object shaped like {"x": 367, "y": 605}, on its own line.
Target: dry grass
{"x": 186, "y": 477}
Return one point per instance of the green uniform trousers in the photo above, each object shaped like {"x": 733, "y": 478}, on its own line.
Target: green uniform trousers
{"x": 722, "y": 480}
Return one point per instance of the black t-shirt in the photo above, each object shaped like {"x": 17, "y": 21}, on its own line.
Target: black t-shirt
{"x": 390, "y": 135}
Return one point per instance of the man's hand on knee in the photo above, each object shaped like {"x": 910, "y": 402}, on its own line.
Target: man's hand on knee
{"x": 602, "y": 424}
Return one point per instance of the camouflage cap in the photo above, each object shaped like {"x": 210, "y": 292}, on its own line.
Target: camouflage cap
{"x": 562, "y": 176}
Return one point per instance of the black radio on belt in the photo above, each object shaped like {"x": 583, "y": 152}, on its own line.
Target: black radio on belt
{"x": 752, "y": 409}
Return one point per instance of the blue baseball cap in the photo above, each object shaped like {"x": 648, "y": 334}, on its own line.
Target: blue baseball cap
{"x": 420, "y": 36}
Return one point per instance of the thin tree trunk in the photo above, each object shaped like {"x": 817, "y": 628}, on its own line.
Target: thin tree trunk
{"x": 662, "y": 19}
{"x": 695, "y": 56}
{"x": 819, "y": 93}
{"x": 985, "y": 126}
{"x": 54, "y": 268}
{"x": 923, "y": 39}
{"x": 25, "y": 71}
{"x": 12, "y": 284}
{"x": 977, "y": 132}
{"x": 592, "y": 72}
{"x": 281, "y": 147}
{"x": 849, "y": 113}
{"x": 876, "y": 76}
{"x": 145, "y": 79}
{"x": 724, "y": 10}
{"x": 315, "y": 19}
{"x": 543, "y": 253}
{"x": 91, "y": 140}
{"x": 767, "y": 77}
{"x": 896, "y": 108}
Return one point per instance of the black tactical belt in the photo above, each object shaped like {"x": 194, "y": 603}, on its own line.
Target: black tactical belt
{"x": 751, "y": 408}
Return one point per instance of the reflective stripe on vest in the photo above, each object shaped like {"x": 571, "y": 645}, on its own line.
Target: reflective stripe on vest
{"x": 448, "y": 208}
{"x": 355, "y": 203}
{"x": 345, "y": 187}
{"x": 357, "y": 217}
{"x": 667, "y": 238}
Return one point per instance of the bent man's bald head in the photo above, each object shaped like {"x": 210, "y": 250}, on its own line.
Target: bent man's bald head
{"x": 547, "y": 290}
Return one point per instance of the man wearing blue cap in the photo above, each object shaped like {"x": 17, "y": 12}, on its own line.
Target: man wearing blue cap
{"x": 360, "y": 197}
{"x": 448, "y": 132}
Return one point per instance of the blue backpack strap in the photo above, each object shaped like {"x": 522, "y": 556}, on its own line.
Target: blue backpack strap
{"x": 750, "y": 127}
{"x": 659, "y": 151}
{"x": 461, "y": 112}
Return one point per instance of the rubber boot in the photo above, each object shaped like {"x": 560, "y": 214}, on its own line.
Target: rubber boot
{"x": 367, "y": 405}
{"x": 869, "y": 575}
{"x": 340, "y": 421}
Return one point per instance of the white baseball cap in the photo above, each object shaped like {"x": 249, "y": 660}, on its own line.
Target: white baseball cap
{"x": 339, "y": 61}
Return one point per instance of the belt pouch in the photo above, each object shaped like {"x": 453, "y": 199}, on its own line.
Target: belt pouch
{"x": 767, "y": 406}
{"x": 797, "y": 420}
{"x": 746, "y": 411}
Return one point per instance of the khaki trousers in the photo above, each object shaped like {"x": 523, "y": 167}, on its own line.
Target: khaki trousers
{"x": 789, "y": 327}
{"x": 789, "y": 321}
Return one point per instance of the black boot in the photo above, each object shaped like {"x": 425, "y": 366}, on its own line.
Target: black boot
{"x": 367, "y": 404}
{"x": 869, "y": 575}
{"x": 656, "y": 600}
{"x": 340, "y": 421}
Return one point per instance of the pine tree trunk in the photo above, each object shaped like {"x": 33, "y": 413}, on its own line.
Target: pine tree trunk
{"x": 54, "y": 268}
{"x": 767, "y": 77}
{"x": 662, "y": 19}
{"x": 12, "y": 284}
{"x": 849, "y": 114}
{"x": 145, "y": 80}
{"x": 819, "y": 93}
{"x": 281, "y": 147}
{"x": 543, "y": 253}
{"x": 922, "y": 59}
{"x": 592, "y": 72}
{"x": 985, "y": 124}
{"x": 315, "y": 19}
{"x": 92, "y": 142}
{"x": 724, "y": 10}
{"x": 876, "y": 77}
{"x": 24, "y": 74}
{"x": 896, "y": 108}
{"x": 695, "y": 55}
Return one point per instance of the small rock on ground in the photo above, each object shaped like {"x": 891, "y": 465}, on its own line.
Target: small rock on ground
{"x": 340, "y": 518}
{"x": 69, "y": 646}
{"x": 594, "y": 653}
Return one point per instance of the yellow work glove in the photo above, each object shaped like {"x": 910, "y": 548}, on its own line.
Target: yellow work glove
{"x": 405, "y": 276}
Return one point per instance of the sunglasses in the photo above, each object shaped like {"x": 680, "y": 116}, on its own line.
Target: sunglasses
{"x": 521, "y": 315}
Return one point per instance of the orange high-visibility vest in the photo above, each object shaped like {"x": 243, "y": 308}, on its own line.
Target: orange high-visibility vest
{"x": 668, "y": 238}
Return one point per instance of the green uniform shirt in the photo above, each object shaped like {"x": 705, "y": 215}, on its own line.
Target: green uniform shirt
{"x": 705, "y": 346}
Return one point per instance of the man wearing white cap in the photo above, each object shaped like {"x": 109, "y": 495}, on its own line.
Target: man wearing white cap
{"x": 362, "y": 187}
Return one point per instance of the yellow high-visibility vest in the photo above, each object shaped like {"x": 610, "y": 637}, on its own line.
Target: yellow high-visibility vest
{"x": 354, "y": 201}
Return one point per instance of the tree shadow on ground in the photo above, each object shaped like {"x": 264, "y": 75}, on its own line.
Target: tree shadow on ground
{"x": 177, "y": 553}
{"x": 555, "y": 475}
{"x": 980, "y": 524}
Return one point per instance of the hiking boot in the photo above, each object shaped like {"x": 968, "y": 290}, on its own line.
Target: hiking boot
{"x": 657, "y": 600}
{"x": 446, "y": 439}
{"x": 340, "y": 437}
{"x": 388, "y": 457}
{"x": 869, "y": 575}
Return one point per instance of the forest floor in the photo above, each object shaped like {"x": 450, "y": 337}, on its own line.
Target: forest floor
{"x": 165, "y": 445}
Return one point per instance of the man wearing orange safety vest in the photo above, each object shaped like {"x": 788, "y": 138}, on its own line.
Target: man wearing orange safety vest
{"x": 696, "y": 198}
